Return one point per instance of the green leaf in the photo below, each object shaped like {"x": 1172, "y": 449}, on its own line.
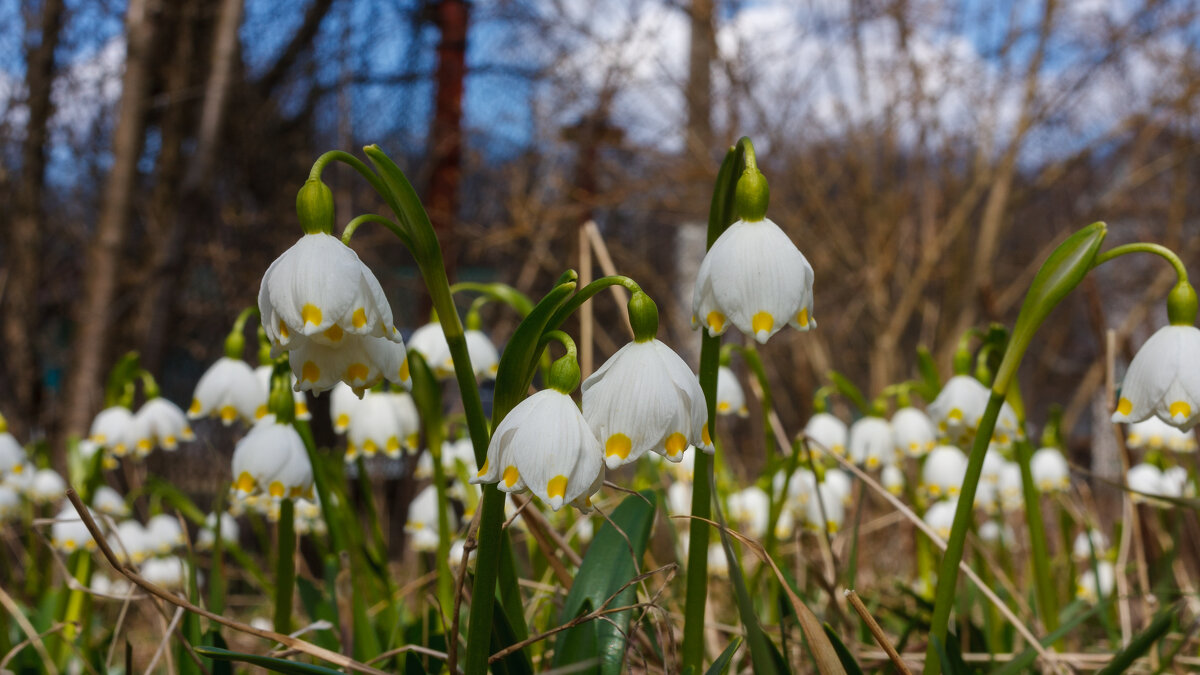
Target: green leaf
{"x": 931, "y": 380}
{"x": 1026, "y": 658}
{"x": 267, "y": 662}
{"x": 843, "y": 652}
{"x": 846, "y": 388}
{"x": 725, "y": 660}
{"x": 1141, "y": 643}
{"x": 763, "y": 653}
{"x": 608, "y": 567}
{"x": 952, "y": 663}
{"x": 213, "y": 639}
{"x": 320, "y": 607}
{"x": 412, "y": 664}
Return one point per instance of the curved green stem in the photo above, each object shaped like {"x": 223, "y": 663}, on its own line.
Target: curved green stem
{"x": 390, "y": 224}
{"x": 499, "y": 292}
{"x": 1143, "y": 247}
{"x": 587, "y": 292}
{"x": 235, "y": 342}
{"x": 354, "y": 162}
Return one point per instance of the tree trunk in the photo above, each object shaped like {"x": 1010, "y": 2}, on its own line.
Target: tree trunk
{"x": 702, "y": 51}
{"x": 24, "y": 241}
{"x": 94, "y": 318}
{"x": 446, "y": 135}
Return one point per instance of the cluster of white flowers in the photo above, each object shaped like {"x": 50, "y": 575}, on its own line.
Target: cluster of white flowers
{"x": 158, "y": 423}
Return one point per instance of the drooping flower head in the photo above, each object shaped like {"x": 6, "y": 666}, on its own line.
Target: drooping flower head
{"x": 158, "y": 423}
{"x": 270, "y": 463}
{"x": 1154, "y": 434}
{"x": 384, "y": 423}
{"x": 871, "y": 442}
{"x": 422, "y": 523}
{"x": 12, "y": 455}
{"x": 1093, "y": 585}
{"x": 224, "y": 523}
{"x": 229, "y": 390}
{"x": 1050, "y": 470}
{"x": 110, "y": 428}
{"x": 942, "y": 475}
{"x": 299, "y": 398}
{"x": 828, "y": 431}
{"x": 730, "y": 397}
{"x": 47, "y": 486}
{"x": 749, "y": 510}
{"x": 913, "y": 431}
{"x": 69, "y": 534}
{"x": 940, "y": 517}
{"x": 322, "y": 304}
{"x": 1164, "y": 379}
{"x": 1087, "y": 543}
{"x": 110, "y": 502}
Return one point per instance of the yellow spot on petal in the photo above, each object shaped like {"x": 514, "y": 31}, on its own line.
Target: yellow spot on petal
{"x": 1124, "y": 406}
{"x": 484, "y": 469}
{"x": 310, "y": 372}
{"x": 334, "y": 333}
{"x": 70, "y": 545}
{"x": 310, "y": 314}
{"x": 301, "y": 408}
{"x": 245, "y": 482}
{"x": 1180, "y": 408}
{"x": 359, "y": 319}
{"x": 18, "y": 468}
{"x": 676, "y": 443}
{"x": 403, "y": 370}
{"x": 802, "y": 317}
{"x": 704, "y": 436}
{"x": 416, "y": 525}
{"x": 283, "y": 330}
{"x": 716, "y": 321}
{"x": 763, "y": 321}
{"x": 393, "y": 445}
{"x": 169, "y": 441}
{"x": 412, "y": 440}
{"x": 196, "y": 407}
{"x": 557, "y": 487}
{"x": 275, "y": 489}
{"x": 227, "y": 413}
{"x": 723, "y": 406}
{"x": 357, "y": 372}
{"x": 343, "y": 421}
{"x": 511, "y": 476}
{"x": 872, "y": 462}
{"x": 369, "y": 448}
{"x": 260, "y": 412}
{"x": 955, "y": 414}
{"x": 619, "y": 445}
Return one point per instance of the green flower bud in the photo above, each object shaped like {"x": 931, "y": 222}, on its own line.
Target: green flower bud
{"x": 751, "y": 195}
{"x": 1181, "y": 305}
{"x": 643, "y": 316}
{"x": 281, "y": 402}
{"x": 314, "y": 207}
{"x": 564, "y": 374}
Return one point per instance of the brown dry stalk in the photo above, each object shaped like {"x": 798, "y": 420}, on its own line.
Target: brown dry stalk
{"x": 877, "y": 632}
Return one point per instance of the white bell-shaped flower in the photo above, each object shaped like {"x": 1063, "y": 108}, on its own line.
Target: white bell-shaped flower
{"x": 1050, "y": 470}
{"x": 158, "y": 423}
{"x": 749, "y": 510}
{"x": 383, "y": 422}
{"x": 10, "y": 503}
{"x": 131, "y": 542}
{"x": 826, "y": 430}
{"x": 271, "y": 463}
{"x": 943, "y": 473}
{"x": 800, "y": 488}
{"x": 1163, "y": 379}
{"x": 913, "y": 431}
{"x": 308, "y": 517}
{"x": 993, "y": 532}
{"x": 1082, "y": 547}
{"x": 987, "y": 497}
{"x": 993, "y": 463}
{"x": 1094, "y": 584}
{"x": 68, "y": 534}
{"x": 544, "y": 444}
{"x": 343, "y": 405}
{"x": 839, "y": 483}
{"x": 170, "y": 573}
{"x": 827, "y": 512}
{"x": 456, "y": 555}
{"x": 871, "y": 442}
{"x": 730, "y": 397}
{"x": 485, "y": 359}
{"x": 940, "y": 517}
{"x": 1176, "y": 483}
{"x": 1154, "y": 434}
{"x": 430, "y": 342}
{"x": 1146, "y": 482}
{"x": 110, "y": 428}
{"x": 755, "y": 278}
{"x": 20, "y": 479}
{"x": 422, "y": 523}
{"x": 229, "y": 390}
{"x": 718, "y": 562}
{"x": 165, "y": 533}
{"x": 892, "y": 479}
{"x": 110, "y": 502}
{"x": 645, "y": 398}
{"x": 679, "y": 498}
{"x": 299, "y": 398}
{"x": 227, "y": 525}
{"x": 361, "y": 362}
{"x": 1012, "y": 492}
{"x": 47, "y": 486}
{"x": 12, "y": 455}
{"x": 958, "y": 407}
{"x": 584, "y": 530}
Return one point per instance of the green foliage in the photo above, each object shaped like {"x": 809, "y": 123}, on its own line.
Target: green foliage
{"x": 272, "y": 664}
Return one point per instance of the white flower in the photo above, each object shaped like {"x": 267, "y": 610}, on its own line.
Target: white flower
{"x": 1050, "y": 470}
{"x": 1145, "y": 481}
{"x": 170, "y": 573}
{"x": 828, "y": 431}
{"x": 755, "y": 278}
{"x": 229, "y": 390}
{"x": 730, "y": 397}
{"x": 545, "y": 444}
{"x": 679, "y": 498}
{"x": 799, "y": 489}
{"x": 383, "y": 422}
{"x": 1175, "y": 483}
{"x": 422, "y": 521}
{"x": 1163, "y": 379}
{"x": 132, "y": 542}
{"x": 10, "y": 503}
{"x": 205, "y": 538}
{"x": 47, "y": 486}
{"x": 944, "y": 470}
{"x": 430, "y": 342}
{"x": 645, "y": 398}
{"x": 913, "y": 431}
{"x": 20, "y": 478}
{"x": 584, "y": 530}
{"x": 270, "y": 462}
{"x": 1092, "y": 586}
{"x": 68, "y": 533}
{"x": 158, "y": 423}
{"x": 838, "y": 482}
{"x": 299, "y": 398}
{"x": 308, "y": 517}
{"x": 110, "y": 428}
{"x": 110, "y": 502}
{"x": 718, "y": 563}
{"x": 343, "y": 405}
{"x": 892, "y": 479}
{"x": 826, "y": 512}
{"x": 485, "y": 360}
{"x": 456, "y": 555}
{"x": 993, "y": 532}
{"x": 749, "y": 509}
{"x": 987, "y": 497}
{"x": 1081, "y": 548}
{"x": 940, "y": 517}
{"x": 1011, "y": 485}
{"x": 871, "y": 442}
{"x": 164, "y": 533}
{"x": 12, "y": 455}
{"x": 993, "y": 464}
{"x": 1155, "y": 434}
{"x": 959, "y": 406}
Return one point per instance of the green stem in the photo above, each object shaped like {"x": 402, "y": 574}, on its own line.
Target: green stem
{"x": 353, "y": 225}
{"x": 354, "y": 162}
{"x": 587, "y": 292}
{"x": 285, "y": 567}
{"x": 1143, "y": 247}
{"x": 235, "y": 342}
{"x": 75, "y": 605}
{"x": 1042, "y": 579}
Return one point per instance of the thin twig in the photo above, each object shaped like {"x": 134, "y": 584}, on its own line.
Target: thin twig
{"x": 11, "y": 606}
{"x": 876, "y": 631}
{"x": 12, "y": 653}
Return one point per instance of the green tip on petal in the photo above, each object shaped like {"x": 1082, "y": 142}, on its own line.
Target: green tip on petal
{"x": 314, "y": 207}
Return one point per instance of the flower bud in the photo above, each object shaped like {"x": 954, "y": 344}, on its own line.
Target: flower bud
{"x": 314, "y": 207}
